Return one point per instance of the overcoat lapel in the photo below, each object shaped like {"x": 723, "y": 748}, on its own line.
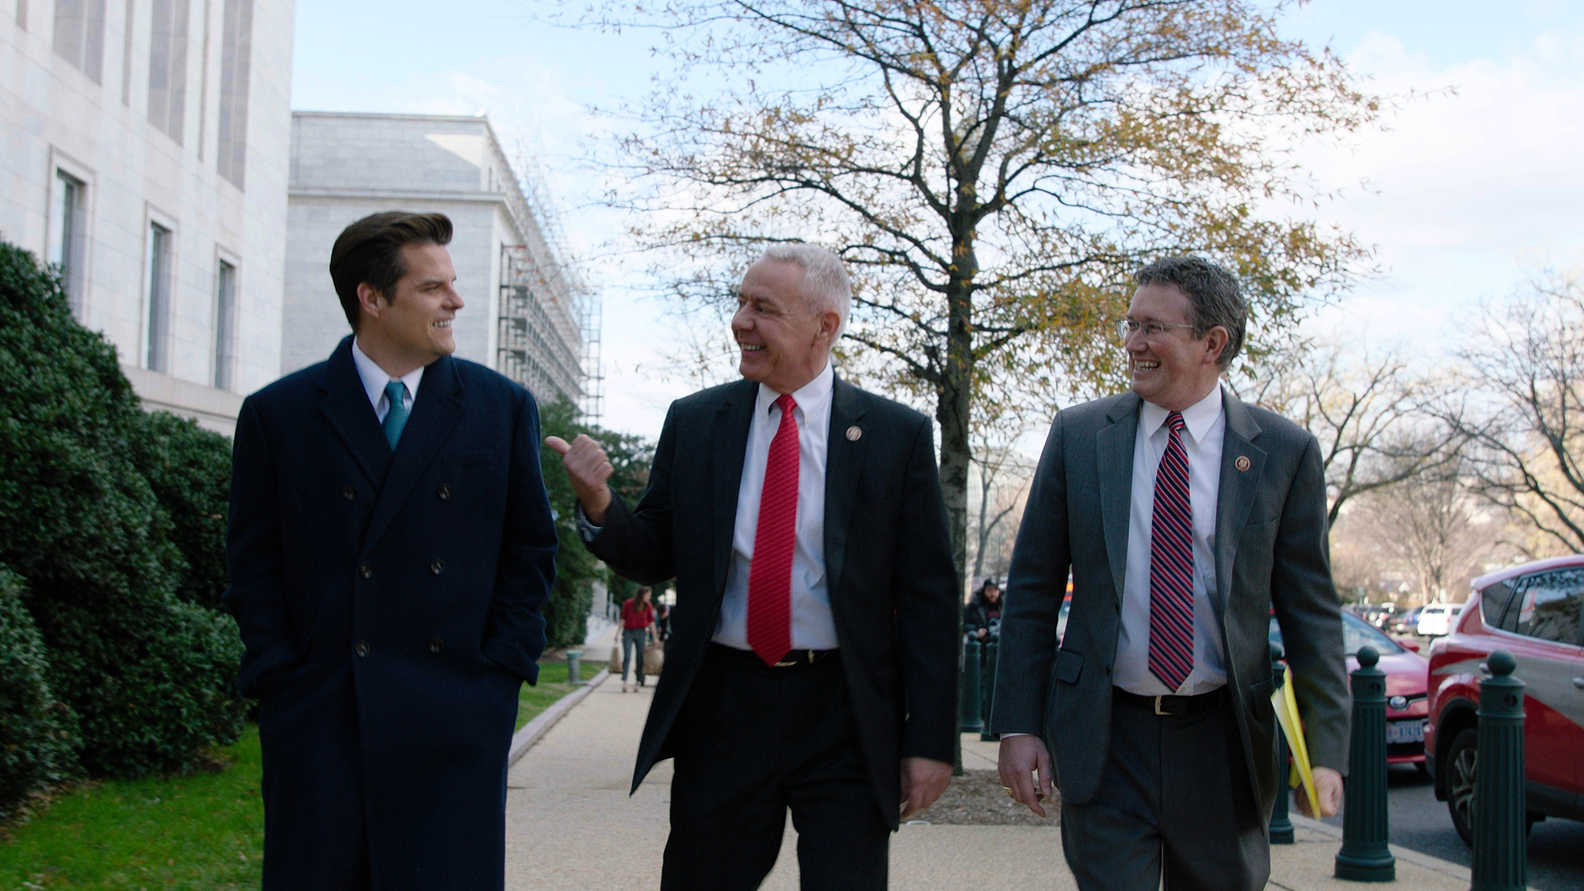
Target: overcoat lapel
{"x": 843, "y": 460}
{"x": 1238, "y": 488}
{"x": 346, "y": 406}
{"x": 435, "y": 412}
{"x": 1114, "y": 459}
{"x": 730, "y": 443}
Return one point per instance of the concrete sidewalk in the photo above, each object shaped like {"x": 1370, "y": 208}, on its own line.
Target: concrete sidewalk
{"x": 571, "y": 826}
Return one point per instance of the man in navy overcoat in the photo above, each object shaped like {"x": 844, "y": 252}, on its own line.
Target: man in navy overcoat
{"x": 390, "y": 551}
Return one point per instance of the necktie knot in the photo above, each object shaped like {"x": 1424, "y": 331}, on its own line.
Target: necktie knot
{"x": 786, "y": 403}
{"x": 1174, "y": 422}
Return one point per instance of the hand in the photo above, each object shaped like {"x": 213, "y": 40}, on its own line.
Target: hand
{"x": 1025, "y": 768}
{"x": 923, "y": 781}
{"x": 980, "y": 633}
{"x": 588, "y": 468}
{"x": 1328, "y": 789}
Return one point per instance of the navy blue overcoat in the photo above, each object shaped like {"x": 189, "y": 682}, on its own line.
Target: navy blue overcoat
{"x": 391, "y": 608}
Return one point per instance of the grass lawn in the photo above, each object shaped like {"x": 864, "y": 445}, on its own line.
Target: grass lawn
{"x": 203, "y": 832}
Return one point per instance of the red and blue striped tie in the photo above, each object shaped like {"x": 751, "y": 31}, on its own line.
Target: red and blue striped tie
{"x": 1171, "y": 640}
{"x": 770, "y": 571}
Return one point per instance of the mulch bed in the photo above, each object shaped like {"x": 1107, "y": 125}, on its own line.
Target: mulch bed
{"x": 977, "y": 799}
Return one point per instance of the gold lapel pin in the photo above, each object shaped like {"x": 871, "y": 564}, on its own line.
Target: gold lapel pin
{"x": 1242, "y": 462}
{"x": 854, "y": 432}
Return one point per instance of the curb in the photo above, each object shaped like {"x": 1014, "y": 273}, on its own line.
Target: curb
{"x": 1434, "y": 864}
{"x": 531, "y": 732}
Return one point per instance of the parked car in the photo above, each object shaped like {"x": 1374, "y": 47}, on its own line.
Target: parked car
{"x": 1532, "y": 611}
{"x": 1406, "y": 677}
{"x": 1405, "y": 623}
{"x": 1435, "y": 619}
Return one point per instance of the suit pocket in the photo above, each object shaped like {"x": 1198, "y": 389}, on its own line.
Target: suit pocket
{"x": 1069, "y": 666}
{"x": 473, "y": 459}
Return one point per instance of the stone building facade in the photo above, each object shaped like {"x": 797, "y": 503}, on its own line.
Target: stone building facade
{"x": 145, "y": 151}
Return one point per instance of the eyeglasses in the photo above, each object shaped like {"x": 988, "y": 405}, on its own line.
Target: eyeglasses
{"x": 1126, "y": 328}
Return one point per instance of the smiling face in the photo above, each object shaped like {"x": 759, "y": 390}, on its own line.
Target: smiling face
{"x": 783, "y": 342}
{"x": 411, "y": 327}
{"x": 1173, "y": 369}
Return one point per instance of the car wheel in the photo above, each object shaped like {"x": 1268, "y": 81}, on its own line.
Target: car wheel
{"x": 1462, "y": 758}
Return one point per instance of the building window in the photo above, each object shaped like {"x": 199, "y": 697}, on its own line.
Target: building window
{"x": 79, "y": 34}
{"x": 157, "y": 346}
{"x": 66, "y": 235}
{"x": 168, "y": 67}
{"x": 236, "y": 53}
{"x": 225, "y": 324}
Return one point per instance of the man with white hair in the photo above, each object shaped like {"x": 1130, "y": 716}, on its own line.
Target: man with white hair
{"x": 812, "y": 661}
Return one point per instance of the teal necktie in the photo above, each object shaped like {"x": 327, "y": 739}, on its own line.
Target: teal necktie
{"x": 396, "y": 417}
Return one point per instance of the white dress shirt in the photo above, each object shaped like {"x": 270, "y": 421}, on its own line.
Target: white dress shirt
{"x": 813, "y": 628}
{"x": 374, "y": 380}
{"x": 1204, "y": 429}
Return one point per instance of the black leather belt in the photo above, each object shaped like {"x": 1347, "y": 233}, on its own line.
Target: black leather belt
{"x": 792, "y": 659}
{"x": 1173, "y": 706}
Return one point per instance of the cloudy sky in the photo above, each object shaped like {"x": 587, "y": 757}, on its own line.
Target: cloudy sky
{"x": 1475, "y": 181}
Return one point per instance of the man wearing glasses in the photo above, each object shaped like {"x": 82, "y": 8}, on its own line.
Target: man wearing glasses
{"x": 1186, "y": 519}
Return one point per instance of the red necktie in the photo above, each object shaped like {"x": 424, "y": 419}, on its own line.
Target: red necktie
{"x": 770, "y": 573}
{"x": 1171, "y": 640}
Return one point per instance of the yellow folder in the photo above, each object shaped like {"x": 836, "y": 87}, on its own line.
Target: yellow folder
{"x": 1286, "y": 704}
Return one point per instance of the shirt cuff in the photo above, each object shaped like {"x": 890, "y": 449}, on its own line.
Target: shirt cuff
{"x": 588, "y": 530}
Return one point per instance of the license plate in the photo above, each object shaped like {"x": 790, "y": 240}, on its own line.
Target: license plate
{"x": 1405, "y": 731}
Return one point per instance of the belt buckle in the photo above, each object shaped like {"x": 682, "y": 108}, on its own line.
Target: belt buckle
{"x": 1158, "y": 710}
{"x": 788, "y": 663}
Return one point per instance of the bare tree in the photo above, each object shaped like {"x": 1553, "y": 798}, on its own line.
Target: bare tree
{"x": 1521, "y": 403}
{"x": 992, "y": 170}
{"x": 1430, "y": 523}
{"x": 1366, "y": 410}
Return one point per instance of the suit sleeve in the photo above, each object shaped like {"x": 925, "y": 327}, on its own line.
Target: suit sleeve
{"x": 926, "y": 608}
{"x": 1305, "y": 602}
{"x": 637, "y": 542}
{"x": 1036, "y": 586}
{"x": 525, "y": 570}
{"x": 254, "y": 559}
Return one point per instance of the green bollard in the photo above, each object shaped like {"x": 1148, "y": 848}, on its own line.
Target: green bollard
{"x": 1499, "y": 810}
{"x": 1281, "y": 827}
{"x": 992, "y": 648}
{"x": 1364, "y": 856}
{"x": 971, "y": 722}
{"x": 574, "y": 675}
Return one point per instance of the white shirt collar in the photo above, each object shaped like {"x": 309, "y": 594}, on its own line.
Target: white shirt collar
{"x": 811, "y": 398}
{"x": 374, "y": 378}
{"x": 1197, "y": 418}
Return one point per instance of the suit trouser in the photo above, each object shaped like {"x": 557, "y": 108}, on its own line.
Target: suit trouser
{"x": 752, "y": 742}
{"x": 1174, "y": 804}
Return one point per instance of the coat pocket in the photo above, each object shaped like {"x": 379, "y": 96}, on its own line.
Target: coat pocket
{"x": 1069, "y": 666}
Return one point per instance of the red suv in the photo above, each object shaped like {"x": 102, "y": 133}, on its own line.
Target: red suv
{"x": 1532, "y": 611}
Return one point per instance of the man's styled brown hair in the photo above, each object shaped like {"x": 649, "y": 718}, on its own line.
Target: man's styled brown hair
{"x": 369, "y": 250}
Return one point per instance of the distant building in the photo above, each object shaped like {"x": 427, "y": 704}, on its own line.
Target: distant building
{"x": 145, "y": 152}
{"x": 527, "y": 314}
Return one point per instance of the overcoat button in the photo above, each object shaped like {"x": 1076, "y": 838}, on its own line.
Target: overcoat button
{"x": 444, "y": 491}
{"x": 350, "y": 491}
{"x": 366, "y": 570}
{"x": 436, "y": 645}
{"x": 362, "y": 648}
{"x": 437, "y": 567}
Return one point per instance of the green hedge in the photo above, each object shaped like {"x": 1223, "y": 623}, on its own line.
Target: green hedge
{"x": 147, "y": 673}
{"x": 189, "y": 470}
{"x": 566, "y": 615}
{"x": 36, "y": 732}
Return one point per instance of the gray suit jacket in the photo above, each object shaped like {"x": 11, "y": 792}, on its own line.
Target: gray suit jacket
{"x": 1271, "y": 557}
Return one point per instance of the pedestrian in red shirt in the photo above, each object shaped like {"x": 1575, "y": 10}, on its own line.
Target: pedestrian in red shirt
{"x": 637, "y": 631}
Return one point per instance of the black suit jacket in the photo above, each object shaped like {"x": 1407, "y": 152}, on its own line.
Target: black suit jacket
{"x": 888, "y": 565}
{"x": 390, "y": 606}
{"x": 1271, "y": 558}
